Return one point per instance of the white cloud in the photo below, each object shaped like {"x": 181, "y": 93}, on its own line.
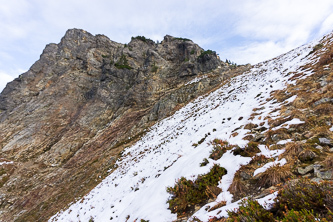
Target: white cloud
{"x": 256, "y": 52}
{"x": 244, "y": 31}
{"x": 270, "y": 28}
{"x": 327, "y": 25}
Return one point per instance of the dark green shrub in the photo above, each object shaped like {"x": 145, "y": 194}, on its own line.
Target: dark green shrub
{"x": 298, "y": 216}
{"x": 204, "y": 162}
{"x": 2, "y": 171}
{"x": 182, "y": 39}
{"x": 250, "y": 210}
{"x": 142, "y": 38}
{"x": 207, "y": 52}
{"x": 308, "y": 195}
{"x": 302, "y": 200}
{"x": 4, "y": 180}
{"x": 187, "y": 193}
{"x": 122, "y": 63}
{"x": 154, "y": 68}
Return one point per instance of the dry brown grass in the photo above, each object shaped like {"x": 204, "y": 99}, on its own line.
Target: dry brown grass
{"x": 299, "y": 103}
{"x": 328, "y": 162}
{"x": 274, "y": 175}
{"x": 237, "y": 187}
{"x": 280, "y": 95}
{"x": 324, "y": 109}
{"x": 321, "y": 131}
{"x": 292, "y": 150}
{"x": 250, "y": 126}
{"x": 281, "y": 134}
{"x": 218, "y": 205}
{"x": 326, "y": 58}
{"x": 278, "y": 121}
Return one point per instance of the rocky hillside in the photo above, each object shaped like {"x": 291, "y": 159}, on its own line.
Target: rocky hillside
{"x": 65, "y": 121}
{"x": 265, "y": 135}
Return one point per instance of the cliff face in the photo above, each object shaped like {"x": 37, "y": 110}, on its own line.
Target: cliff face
{"x": 64, "y": 122}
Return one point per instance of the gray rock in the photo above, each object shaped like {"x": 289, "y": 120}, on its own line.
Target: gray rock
{"x": 323, "y": 83}
{"x": 317, "y": 180}
{"x": 325, "y": 175}
{"x": 307, "y": 155}
{"x": 276, "y": 137}
{"x": 319, "y": 147}
{"x": 325, "y": 141}
{"x": 245, "y": 176}
{"x": 258, "y": 137}
{"x": 291, "y": 129}
{"x": 305, "y": 170}
{"x": 323, "y": 100}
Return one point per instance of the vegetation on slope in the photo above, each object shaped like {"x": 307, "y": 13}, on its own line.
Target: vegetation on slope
{"x": 187, "y": 193}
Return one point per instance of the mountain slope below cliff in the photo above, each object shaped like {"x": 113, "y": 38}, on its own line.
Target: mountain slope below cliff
{"x": 246, "y": 108}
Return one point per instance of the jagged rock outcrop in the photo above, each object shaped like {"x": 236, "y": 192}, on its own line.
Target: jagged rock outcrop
{"x": 64, "y": 122}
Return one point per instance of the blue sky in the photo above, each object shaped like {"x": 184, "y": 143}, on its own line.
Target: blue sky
{"x": 244, "y": 31}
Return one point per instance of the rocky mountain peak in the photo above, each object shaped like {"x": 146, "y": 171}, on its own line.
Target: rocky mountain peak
{"x": 65, "y": 121}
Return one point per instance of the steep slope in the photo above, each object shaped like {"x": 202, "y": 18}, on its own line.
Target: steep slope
{"x": 64, "y": 122}
{"x": 268, "y": 105}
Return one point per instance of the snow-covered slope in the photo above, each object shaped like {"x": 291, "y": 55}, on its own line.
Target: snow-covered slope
{"x": 137, "y": 188}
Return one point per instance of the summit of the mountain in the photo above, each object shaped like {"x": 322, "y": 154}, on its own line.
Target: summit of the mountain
{"x": 65, "y": 120}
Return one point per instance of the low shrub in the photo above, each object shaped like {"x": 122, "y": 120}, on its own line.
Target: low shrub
{"x": 207, "y": 52}
{"x": 219, "y": 148}
{"x": 154, "y": 68}
{"x": 308, "y": 195}
{"x": 182, "y": 39}
{"x": 122, "y": 63}
{"x": 250, "y": 210}
{"x": 3, "y": 180}
{"x": 298, "y": 200}
{"x": 295, "y": 216}
{"x": 187, "y": 193}
{"x": 142, "y": 38}
{"x": 204, "y": 162}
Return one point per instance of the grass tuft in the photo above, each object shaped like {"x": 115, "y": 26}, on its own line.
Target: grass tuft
{"x": 274, "y": 175}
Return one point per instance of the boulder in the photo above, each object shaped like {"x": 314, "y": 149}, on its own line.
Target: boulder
{"x": 303, "y": 171}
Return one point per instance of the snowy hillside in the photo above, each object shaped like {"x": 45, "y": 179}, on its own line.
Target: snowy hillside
{"x": 176, "y": 146}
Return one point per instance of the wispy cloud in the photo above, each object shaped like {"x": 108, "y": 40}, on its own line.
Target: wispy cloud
{"x": 241, "y": 30}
